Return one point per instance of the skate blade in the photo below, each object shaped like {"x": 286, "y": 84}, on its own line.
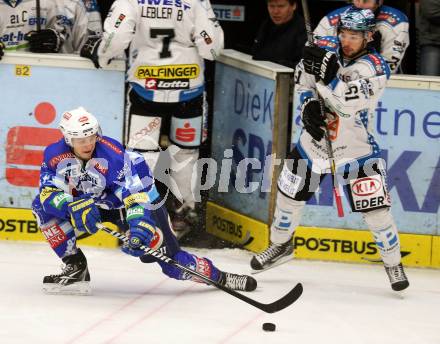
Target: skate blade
{"x": 78, "y": 288}
{"x": 277, "y": 263}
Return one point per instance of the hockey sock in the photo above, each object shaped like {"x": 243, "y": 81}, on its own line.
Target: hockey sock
{"x": 384, "y": 229}
{"x": 286, "y": 218}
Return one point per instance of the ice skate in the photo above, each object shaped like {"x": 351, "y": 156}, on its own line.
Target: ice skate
{"x": 274, "y": 255}
{"x": 73, "y": 280}
{"x": 238, "y": 282}
{"x": 397, "y": 277}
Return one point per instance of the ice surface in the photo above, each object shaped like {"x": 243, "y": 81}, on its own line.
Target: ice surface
{"x": 135, "y": 303}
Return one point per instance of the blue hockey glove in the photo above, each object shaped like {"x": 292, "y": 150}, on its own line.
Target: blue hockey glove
{"x": 84, "y": 214}
{"x": 140, "y": 233}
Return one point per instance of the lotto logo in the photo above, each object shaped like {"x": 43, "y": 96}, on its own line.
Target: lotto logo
{"x": 157, "y": 84}
{"x": 83, "y": 119}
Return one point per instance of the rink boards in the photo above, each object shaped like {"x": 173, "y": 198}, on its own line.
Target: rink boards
{"x": 20, "y": 225}
{"x": 330, "y": 244}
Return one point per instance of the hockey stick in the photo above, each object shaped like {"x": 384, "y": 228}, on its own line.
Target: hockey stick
{"x": 273, "y": 307}
{"x": 38, "y": 14}
{"x": 321, "y": 104}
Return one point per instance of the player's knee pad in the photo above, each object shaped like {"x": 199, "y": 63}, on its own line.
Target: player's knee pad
{"x": 286, "y": 218}
{"x": 202, "y": 265}
{"x": 386, "y": 236}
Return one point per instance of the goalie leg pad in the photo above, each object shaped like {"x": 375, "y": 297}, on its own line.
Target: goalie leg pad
{"x": 202, "y": 265}
{"x": 386, "y": 236}
{"x": 286, "y": 218}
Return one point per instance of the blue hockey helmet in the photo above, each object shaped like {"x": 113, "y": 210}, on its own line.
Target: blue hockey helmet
{"x": 357, "y": 20}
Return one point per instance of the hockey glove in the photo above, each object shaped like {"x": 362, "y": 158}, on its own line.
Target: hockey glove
{"x": 84, "y": 214}
{"x": 90, "y": 50}
{"x": 140, "y": 233}
{"x": 312, "y": 118}
{"x": 321, "y": 63}
{"x": 44, "y": 41}
{"x": 2, "y": 47}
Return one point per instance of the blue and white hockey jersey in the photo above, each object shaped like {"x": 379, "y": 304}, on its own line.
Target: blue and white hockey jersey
{"x": 350, "y": 99}
{"x": 114, "y": 178}
{"x": 390, "y": 22}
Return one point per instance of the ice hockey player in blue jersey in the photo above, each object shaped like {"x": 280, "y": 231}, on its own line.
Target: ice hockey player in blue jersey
{"x": 350, "y": 78}
{"x": 86, "y": 179}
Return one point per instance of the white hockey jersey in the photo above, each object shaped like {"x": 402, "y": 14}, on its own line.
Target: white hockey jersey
{"x": 390, "y": 22}
{"x": 168, "y": 41}
{"x": 18, "y": 17}
{"x": 94, "y": 17}
{"x": 350, "y": 100}
{"x": 75, "y": 21}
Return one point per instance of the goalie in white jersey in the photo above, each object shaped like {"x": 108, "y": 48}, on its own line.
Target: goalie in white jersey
{"x": 350, "y": 78}
{"x": 391, "y": 36}
{"x": 167, "y": 40}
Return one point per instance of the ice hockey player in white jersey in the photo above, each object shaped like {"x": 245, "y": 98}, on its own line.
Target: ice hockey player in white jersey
{"x": 86, "y": 179}
{"x": 167, "y": 40}
{"x": 76, "y": 22}
{"x": 350, "y": 78}
{"x": 19, "y": 28}
{"x": 391, "y": 37}
{"x": 94, "y": 25}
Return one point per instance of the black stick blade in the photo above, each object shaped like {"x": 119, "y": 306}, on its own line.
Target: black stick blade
{"x": 285, "y": 301}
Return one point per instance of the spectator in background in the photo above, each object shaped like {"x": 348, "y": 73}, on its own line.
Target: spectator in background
{"x": 429, "y": 33}
{"x": 281, "y": 38}
{"x": 391, "y": 37}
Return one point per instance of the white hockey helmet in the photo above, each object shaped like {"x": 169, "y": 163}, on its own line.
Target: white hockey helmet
{"x": 78, "y": 123}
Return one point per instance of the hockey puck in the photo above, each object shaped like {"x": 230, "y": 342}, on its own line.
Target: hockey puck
{"x": 270, "y": 327}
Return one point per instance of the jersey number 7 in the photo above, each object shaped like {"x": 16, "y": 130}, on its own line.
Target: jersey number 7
{"x": 167, "y": 35}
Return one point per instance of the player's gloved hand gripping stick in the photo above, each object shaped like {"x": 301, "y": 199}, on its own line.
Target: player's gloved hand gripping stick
{"x": 273, "y": 307}
{"x": 324, "y": 77}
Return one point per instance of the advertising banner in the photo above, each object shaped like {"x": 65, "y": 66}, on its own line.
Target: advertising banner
{"x": 407, "y": 128}
{"x": 242, "y": 141}
{"x": 33, "y": 99}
